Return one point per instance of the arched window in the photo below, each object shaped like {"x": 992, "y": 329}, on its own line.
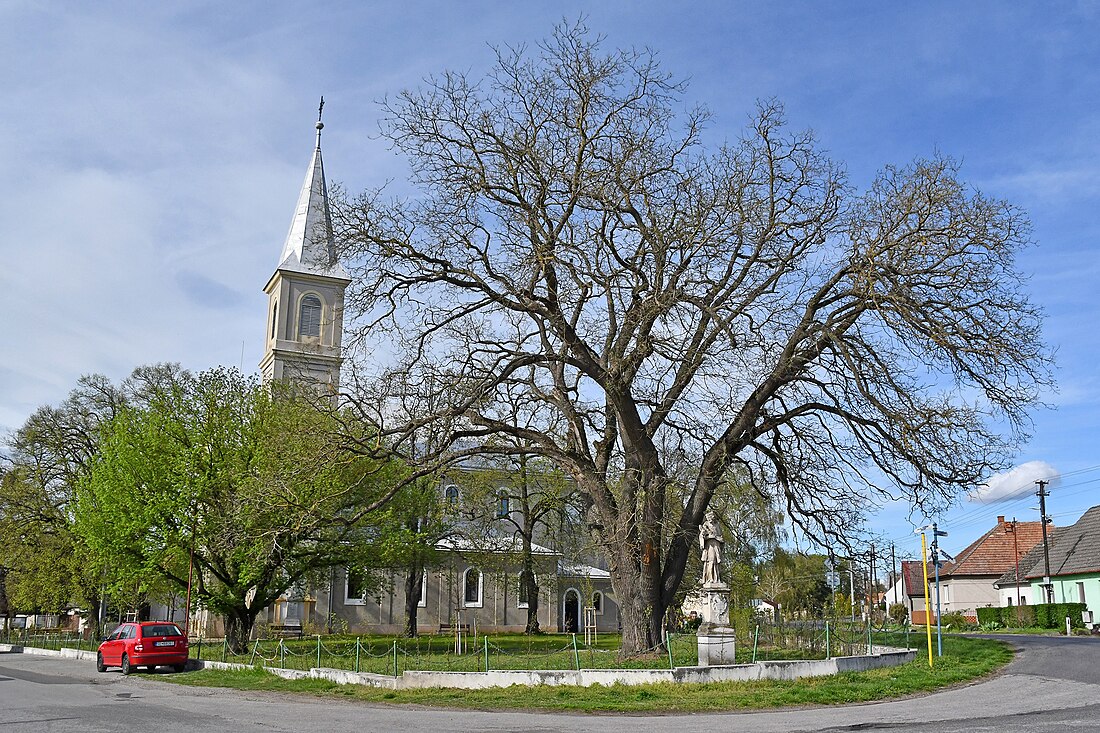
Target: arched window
{"x": 274, "y": 317}
{"x": 502, "y": 504}
{"x": 451, "y": 495}
{"x": 597, "y": 602}
{"x": 309, "y": 317}
{"x": 471, "y": 588}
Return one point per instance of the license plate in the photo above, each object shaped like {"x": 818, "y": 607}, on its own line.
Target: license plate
{"x": 164, "y": 643}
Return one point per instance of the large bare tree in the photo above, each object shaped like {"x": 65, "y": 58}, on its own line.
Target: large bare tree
{"x": 572, "y": 237}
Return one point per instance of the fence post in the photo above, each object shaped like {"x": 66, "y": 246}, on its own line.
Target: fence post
{"x": 576, "y": 654}
{"x": 485, "y": 641}
{"x": 870, "y": 644}
{"x": 282, "y": 653}
{"x": 395, "y": 657}
{"x": 755, "y": 642}
{"x": 357, "y": 655}
{"x": 668, "y": 645}
{"x": 318, "y": 651}
{"x": 828, "y": 646}
{"x": 225, "y": 647}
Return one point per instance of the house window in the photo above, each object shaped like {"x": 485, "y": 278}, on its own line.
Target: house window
{"x": 471, "y": 588}
{"x": 1081, "y": 593}
{"x": 309, "y": 317}
{"x": 502, "y": 505}
{"x": 1023, "y": 600}
{"x": 423, "y": 602}
{"x": 597, "y": 602}
{"x": 356, "y": 587}
{"x": 1010, "y": 601}
{"x": 524, "y": 599}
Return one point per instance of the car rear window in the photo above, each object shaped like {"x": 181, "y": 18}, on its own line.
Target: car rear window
{"x": 161, "y": 630}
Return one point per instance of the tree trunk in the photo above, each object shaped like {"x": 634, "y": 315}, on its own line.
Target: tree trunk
{"x": 527, "y": 578}
{"x": 641, "y": 608}
{"x": 238, "y": 629}
{"x": 414, "y": 580}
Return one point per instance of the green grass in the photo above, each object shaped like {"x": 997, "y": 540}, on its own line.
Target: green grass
{"x": 964, "y": 659}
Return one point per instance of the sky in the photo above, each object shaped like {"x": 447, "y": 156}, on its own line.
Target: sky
{"x": 151, "y": 157}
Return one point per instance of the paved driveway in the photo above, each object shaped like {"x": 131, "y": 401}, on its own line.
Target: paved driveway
{"x": 1053, "y": 685}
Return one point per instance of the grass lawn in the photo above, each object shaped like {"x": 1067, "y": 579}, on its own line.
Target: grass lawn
{"x": 964, "y": 659}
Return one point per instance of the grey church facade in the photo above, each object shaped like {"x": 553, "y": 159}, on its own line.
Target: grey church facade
{"x": 470, "y": 587}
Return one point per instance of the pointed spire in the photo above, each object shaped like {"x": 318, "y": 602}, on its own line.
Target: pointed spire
{"x": 310, "y": 245}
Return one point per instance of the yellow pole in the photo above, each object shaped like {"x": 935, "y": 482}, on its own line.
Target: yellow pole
{"x": 927, "y": 609}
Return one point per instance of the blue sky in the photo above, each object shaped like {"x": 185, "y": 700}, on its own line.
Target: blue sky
{"x": 152, "y": 152}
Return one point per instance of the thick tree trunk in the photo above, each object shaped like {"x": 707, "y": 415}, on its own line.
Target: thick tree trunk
{"x": 414, "y": 580}
{"x": 641, "y": 608}
{"x": 238, "y": 629}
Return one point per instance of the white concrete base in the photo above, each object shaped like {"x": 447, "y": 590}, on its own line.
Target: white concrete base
{"x": 788, "y": 670}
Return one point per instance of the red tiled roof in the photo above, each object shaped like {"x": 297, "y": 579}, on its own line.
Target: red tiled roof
{"x": 913, "y": 575}
{"x": 996, "y": 551}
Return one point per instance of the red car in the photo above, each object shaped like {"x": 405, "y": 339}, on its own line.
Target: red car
{"x": 144, "y": 644}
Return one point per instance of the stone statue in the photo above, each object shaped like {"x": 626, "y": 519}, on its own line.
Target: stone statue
{"x": 711, "y": 541}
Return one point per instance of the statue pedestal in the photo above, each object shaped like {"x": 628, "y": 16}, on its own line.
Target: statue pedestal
{"x": 716, "y": 640}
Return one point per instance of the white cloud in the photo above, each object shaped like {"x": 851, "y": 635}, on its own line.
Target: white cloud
{"x": 1014, "y": 483}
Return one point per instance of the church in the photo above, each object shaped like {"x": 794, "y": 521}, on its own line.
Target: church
{"x": 475, "y": 588}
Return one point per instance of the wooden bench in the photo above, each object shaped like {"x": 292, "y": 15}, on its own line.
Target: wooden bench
{"x": 285, "y": 631}
{"x": 451, "y": 628}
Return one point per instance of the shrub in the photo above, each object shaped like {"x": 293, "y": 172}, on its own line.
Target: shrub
{"x": 898, "y": 613}
{"x": 956, "y": 620}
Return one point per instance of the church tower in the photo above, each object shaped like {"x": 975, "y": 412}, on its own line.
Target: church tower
{"x": 306, "y": 293}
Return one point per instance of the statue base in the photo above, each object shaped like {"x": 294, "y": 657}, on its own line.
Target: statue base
{"x": 716, "y": 640}
{"x": 717, "y": 644}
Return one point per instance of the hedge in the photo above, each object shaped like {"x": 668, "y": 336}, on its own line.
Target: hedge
{"x": 1043, "y": 615}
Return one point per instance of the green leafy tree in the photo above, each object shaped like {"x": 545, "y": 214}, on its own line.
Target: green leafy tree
{"x": 251, "y": 488}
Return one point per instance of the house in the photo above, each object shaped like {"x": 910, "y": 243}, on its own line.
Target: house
{"x": 1017, "y": 590}
{"x": 908, "y": 589}
{"x": 1074, "y": 564}
{"x": 967, "y": 583}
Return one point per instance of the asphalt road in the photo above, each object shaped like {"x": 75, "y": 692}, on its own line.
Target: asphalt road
{"x": 1054, "y": 684}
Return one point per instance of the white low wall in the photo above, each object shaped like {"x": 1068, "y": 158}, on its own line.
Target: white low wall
{"x": 778, "y": 670}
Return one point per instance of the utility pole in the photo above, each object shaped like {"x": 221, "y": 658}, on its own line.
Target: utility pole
{"x": 1016, "y": 554}
{"x": 1047, "y": 585}
{"x": 871, "y": 589}
{"x": 936, "y": 534}
{"x": 852, "y": 587}
{"x": 894, "y": 573}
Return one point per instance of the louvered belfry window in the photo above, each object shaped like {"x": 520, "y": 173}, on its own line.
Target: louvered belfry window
{"x": 309, "y": 316}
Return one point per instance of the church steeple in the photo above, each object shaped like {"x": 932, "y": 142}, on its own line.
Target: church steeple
{"x": 310, "y": 246}
{"x": 306, "y": 291}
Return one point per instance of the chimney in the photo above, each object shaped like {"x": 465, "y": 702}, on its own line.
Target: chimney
{"x": 1001, "y": 519}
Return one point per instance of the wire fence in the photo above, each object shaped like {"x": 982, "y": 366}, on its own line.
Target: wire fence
{"x": 755, "y": 641}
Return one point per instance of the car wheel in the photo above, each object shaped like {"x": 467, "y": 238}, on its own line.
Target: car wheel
{"x": 99, "y": 665}
{"x": 126, "y": 669}
{"x": 179, "y": 667}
